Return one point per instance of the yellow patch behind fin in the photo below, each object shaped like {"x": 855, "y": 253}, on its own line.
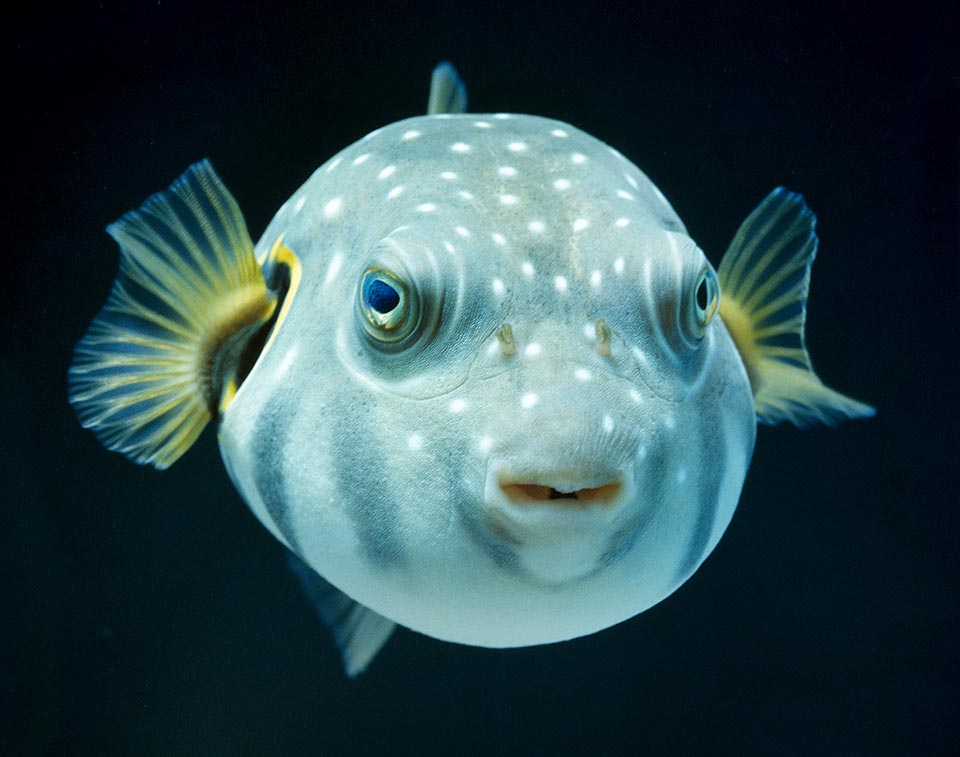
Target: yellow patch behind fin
{"x": 764, "y": 280}
{"x": 148, "y": 375}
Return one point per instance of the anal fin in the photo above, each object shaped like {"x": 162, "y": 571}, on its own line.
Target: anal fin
{"x": 360, "y": 632}
{"x": 764, "y": 280}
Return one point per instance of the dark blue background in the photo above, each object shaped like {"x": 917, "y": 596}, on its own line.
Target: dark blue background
{"x": 148, "y": 613}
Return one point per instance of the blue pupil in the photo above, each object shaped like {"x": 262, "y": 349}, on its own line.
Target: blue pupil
{"x": 379, "y": 295}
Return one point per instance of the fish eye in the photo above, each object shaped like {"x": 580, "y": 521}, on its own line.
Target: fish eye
{"x": 385, "y": 301}
{"x": 706, "y": 297}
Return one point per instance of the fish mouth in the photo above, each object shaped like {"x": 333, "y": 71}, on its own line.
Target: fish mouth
{"x": 555, "y": 525}
{"x": 531, "y": 493}
{"x": 521, "y": 493}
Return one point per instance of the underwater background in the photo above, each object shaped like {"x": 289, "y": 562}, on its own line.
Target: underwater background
{"x": 150, "y": 614}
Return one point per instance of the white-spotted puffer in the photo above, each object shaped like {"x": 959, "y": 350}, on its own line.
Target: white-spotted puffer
{"x": 482, "y": 382}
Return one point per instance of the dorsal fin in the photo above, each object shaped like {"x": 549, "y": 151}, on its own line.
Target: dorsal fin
{"x": 148, "y": 375}
{"x": 448, "y": 93}
{"x": 360, "y": 632}
{"x": 764, "y": 279}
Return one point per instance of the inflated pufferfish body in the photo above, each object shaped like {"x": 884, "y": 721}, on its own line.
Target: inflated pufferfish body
{"x": 481, "y": 380}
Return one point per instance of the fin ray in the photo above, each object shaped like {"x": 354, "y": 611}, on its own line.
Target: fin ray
{"x": 764, "y": 281}
{"x": 142, "y": 377}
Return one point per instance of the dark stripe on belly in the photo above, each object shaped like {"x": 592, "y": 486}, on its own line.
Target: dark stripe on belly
{"x": 362, "y": 479}
{"x": 269, "y": 442}
{"x": 652, "y": 474}
{"x": 711, "y": 468}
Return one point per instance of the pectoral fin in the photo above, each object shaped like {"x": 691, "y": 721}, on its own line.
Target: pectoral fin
{"x": 151, "y": 370}
{"x": 764, "y": 280}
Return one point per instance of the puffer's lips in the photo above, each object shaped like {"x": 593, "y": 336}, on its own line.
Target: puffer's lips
{"x": 529, "y": 492}
{"x": 544, "y": 490}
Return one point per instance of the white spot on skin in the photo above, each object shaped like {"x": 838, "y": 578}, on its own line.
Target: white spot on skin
{"x": 590, "y": 330}
{"x": 527, "y": 269}
{"x": 582, "y": 374}
{"x": 485, "y": 443}
{"x": 560, "y": 133}
{"x": 537, "y": 227}
{"x": 529, "y": 400}
{"x": 482, "y": 124}
{"x": 532, "y": 350}
{"x": 509, "y": 199}
{"x": 595, "y": 279}
{"x": 427, "y": 207}
{"x": 465, "y": 194}
{"x": 460, "y": 147}
{"x": 608, "y": 424}
{"x": 414, "y": 442}
{"x": 410, "y": 135}
{"x": 462, "y": 231}
{"x": 449, "y": 248}
{"x": 681, "y": 475}
{"x": 286, "y": 363}
{"x": 635, "y": 395}
{"x": 501, "y": 116}
{"x": 448, "y": 175}
{"x": 561, "y": 184}
{"x": 578, "y": 158}
{"x": 517, "y": 146}
{"x": 498, "y": 287}
{"x": 387, "y": 172}
{"x": 560, "y": 284}
{"x": 335, "y": 265}
{"x": 669, "y": 422}
{"x": 458, "y": 406}
{"x": 498, "y": 238}
{"x": 334, "y": 164}
{"x": 621, "y": 222}
{"x": 333, "y": 208}
{"x": 298, "y": 205}
{"x": 507, "y": 171}
{"x": 631, "y": 181}
{"x": 580, "y": 224}
{"x": 618, "y": 265}
{"x": 624, "y": 194}
{"x": 362, "y": 159}
{"x": 395, "y": 192}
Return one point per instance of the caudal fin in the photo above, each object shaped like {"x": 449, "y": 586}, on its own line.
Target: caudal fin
{"x": 764, "y": 279}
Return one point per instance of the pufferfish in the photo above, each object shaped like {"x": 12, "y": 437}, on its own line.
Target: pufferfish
{"x": 475, "y": 375}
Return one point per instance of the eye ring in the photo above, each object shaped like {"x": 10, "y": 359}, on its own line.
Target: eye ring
{"x": 706, "y": 297}
{"x": 387, "y": 304}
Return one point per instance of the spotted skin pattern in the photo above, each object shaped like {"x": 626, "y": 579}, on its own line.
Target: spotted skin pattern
{"x": 490, "y": 486}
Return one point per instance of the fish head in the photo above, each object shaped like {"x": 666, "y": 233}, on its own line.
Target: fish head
{"x": 497, "y": 409}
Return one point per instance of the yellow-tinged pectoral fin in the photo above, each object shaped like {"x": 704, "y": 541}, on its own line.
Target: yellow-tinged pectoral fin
{"x": 149, "y": 374}
{"x": 764, "y": 279}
